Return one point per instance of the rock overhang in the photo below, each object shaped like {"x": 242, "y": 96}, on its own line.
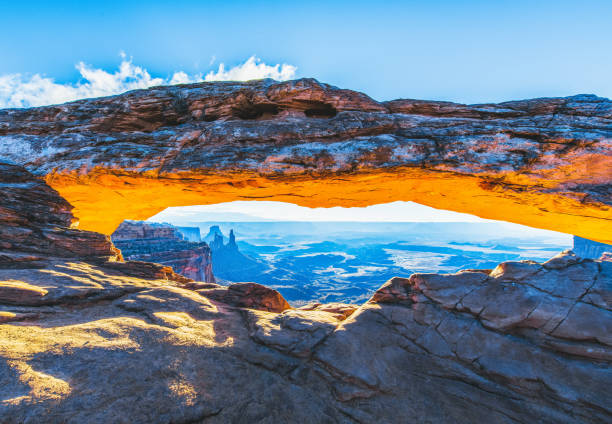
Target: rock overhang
{"x": 543, "y": 162}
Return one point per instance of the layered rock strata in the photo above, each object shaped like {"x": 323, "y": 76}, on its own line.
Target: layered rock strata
{"x": 36, "y": 224}
{"x": 166, "y": 245}
{"x": 542, "y": 162}
{"x": 37, "y": 229}
{"x": 85, "y": 337}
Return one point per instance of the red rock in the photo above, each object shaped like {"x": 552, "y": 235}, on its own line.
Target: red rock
{"x": 20, "y": 293}
{"x": 164, "y": 244}
{"x": 35, "y": 223}
{"x": 248, "y": 295}
{"x": 541, "y": 162}
{"x": 111, "y": 341}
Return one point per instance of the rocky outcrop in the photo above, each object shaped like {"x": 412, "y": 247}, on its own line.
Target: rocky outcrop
{"x": 247, "y": 295}
{"x": 525, "y": 343}
{"x": 36, "y": 224}
{"x": 37, "y": 229}
{"x": 230, "y": 264}
{"x": 166, "y": 245}
{"x": 543, "y": 162}
{"x": 590, "y": 249}
{"x": 85, "y": 337}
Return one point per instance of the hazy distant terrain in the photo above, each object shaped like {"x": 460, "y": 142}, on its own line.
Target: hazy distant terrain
{"x": 347, "y": 261}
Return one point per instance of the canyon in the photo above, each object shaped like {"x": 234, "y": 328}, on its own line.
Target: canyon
{"x": 86, "y": 335}
{"x": 166, "y": 245}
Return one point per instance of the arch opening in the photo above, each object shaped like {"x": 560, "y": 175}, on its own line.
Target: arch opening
{"x": 102, "y": 199}
{"x": 328, "y": 254}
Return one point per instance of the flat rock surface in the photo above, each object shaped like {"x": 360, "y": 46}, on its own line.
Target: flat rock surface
{"x": 95, "y": 346}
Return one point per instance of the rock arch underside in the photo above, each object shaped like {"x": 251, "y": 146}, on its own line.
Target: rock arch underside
{"x": 544, "y": 162}
{"x": 86, "y": 336}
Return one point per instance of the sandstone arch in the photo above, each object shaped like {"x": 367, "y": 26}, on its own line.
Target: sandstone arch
{"x": 525, "y": 342}
{"x": 546, "y": 163}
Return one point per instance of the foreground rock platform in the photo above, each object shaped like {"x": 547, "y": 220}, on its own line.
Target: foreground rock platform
{"x": 524, "y": 343}
{"x": 542, "y": 162}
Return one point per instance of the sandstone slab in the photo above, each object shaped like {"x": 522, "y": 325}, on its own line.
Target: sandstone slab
{"x": 459, "y": 348}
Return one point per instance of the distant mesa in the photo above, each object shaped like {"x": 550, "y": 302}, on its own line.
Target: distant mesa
{"x": 212, "y": 235}
{"x": 228, "y": 263}
{"x": 191, "y": 233}
{"x": 179, "y": 248}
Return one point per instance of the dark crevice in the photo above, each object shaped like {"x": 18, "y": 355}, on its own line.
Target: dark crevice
{"x": 320, "y": 110}
{"x": 210, "y": 117}
{"x": 256, "y": 111}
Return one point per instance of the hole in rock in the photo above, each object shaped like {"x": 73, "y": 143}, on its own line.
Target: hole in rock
{"x": 256, "y": 111}
{"x": 327, "y": 254}
{"x": 321, "y": 110}
{"x": 210, "y": 117}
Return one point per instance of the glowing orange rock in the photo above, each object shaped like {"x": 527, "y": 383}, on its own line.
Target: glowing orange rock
{"x": 546, "y": 163}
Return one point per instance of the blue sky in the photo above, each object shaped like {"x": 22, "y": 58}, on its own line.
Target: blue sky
{"x": 468, "y": 51}
{"x": 464, "y": 51}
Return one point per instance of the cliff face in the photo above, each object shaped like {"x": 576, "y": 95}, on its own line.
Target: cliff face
{"x": 590, "y": 249}
{"x": 35, "y": 232}
{"x": 166, "y": 245}
{"x": 36, "y": 224}
{"x": 542, "y": 162}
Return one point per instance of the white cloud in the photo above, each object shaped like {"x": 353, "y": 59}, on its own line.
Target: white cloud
{"x": 253, "y": 68}
{"x": 17, "y": 90}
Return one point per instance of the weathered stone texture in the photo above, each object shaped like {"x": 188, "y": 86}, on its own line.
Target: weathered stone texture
{"x": 35, "y": 223}
{"x": 541, "y": 162}
{"x": 84, "y": 343}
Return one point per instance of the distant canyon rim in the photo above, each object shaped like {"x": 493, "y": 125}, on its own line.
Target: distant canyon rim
{"x": 544, "y": 162}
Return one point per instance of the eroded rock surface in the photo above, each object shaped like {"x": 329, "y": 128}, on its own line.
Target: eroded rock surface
{"x": 85, "y": 337}
{"x": 541, "y": 162}
{"x": 526, "y": 343}
{"x": 36, "y": 223}
{"x": 101, "y": 340}
{"x": 37, "y": 230}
